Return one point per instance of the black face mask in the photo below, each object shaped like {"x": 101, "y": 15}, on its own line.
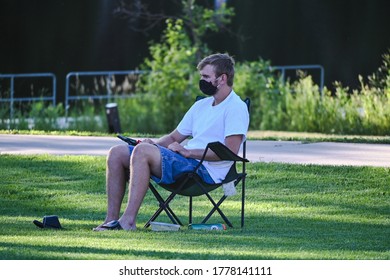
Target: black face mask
{"x": 207, "y": 88}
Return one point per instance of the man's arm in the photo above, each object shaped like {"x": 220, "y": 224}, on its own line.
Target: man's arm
{"x": 233, "y": 142}
{"x": 168, "y": 139}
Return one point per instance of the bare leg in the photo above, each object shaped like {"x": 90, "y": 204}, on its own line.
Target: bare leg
{"x": 145, "y": 160}
{"x": 118, "y": 160}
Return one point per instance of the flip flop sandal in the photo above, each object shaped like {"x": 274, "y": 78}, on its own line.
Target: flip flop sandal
{"x": 113, "y": 225}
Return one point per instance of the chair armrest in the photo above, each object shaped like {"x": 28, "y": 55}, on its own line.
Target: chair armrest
{"x": 223, "y": 152}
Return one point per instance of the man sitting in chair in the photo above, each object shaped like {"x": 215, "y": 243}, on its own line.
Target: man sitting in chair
{"x": 221, "y": 117}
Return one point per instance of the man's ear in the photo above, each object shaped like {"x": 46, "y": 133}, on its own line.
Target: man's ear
{"x": 224, "y": 78}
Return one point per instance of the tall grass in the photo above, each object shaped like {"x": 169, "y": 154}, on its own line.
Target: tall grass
{"x": 365, "y": 111}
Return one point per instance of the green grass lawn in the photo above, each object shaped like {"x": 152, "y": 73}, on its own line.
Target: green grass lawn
{"x": 292, "y": 212}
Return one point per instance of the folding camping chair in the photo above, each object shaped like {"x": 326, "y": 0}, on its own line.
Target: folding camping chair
{"x": 191, "y": 185}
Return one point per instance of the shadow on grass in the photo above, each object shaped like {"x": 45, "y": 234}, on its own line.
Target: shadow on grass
{"x": 30, "y": 251}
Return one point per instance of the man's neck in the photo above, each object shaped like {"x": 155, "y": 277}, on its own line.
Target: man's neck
{"x": 220, "y": 96}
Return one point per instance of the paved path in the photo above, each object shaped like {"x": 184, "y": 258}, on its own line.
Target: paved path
{"x": 325, "y": 153}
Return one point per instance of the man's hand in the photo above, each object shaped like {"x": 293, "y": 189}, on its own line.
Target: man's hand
{"x": 177, "y": 148}
{"x": 150, "y": 141}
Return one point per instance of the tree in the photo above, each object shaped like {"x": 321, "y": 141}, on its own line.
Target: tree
{"x": 197, "y": 19}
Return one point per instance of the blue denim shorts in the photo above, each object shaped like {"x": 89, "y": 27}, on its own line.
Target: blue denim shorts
{"x": 174, "y": 164}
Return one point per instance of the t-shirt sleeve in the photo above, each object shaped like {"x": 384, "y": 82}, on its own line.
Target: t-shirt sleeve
{"x": 237, "y": 121}
{"x": 185, "y": 125}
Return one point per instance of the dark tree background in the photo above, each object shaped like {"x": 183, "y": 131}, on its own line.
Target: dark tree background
{"x": 347, "y": 37}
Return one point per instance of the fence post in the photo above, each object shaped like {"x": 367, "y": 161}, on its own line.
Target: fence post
{"x": 11, "y": 107}
{"x": 11, "y": 100}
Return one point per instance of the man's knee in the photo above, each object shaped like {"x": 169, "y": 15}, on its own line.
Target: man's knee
{"x": 145, "y": 151}
{"x": 149, "y": 154}
{"x": 118, "y": 154}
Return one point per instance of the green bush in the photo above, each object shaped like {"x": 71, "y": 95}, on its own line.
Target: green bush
{"x": 88, "y": 118}
{"x": 375, "y": 108}
{"x": 171, "y": 82}
{"x": 301, "y": 106}
{"x": 45, "y": 117}
{"x": 4, "y": 116}
{"x": 140, "y": 114}
{"x": 35, "y": 115}
{"x": 256, "y": 81}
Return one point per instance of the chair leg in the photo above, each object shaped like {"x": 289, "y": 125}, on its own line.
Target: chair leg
{"x": 243, "y": 203}
{"x": 190, "y": 210}
{"x": 164, "y": 206}
{"x": 216, "y": 208}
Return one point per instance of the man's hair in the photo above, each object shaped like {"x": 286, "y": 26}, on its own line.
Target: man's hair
{"x": 223, "y": 64}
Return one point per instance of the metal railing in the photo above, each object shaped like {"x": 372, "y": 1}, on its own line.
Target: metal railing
{"x": 283, "y": 69}
{"x": 12, "y": 99}
{"x": 109, "y": 75}
{"x": 108, "y": 95}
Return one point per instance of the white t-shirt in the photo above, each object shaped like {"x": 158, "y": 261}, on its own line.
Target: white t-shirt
{"x": 207, "y": 123}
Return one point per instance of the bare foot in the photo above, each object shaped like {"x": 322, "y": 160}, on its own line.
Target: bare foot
{"x": 127, "y": 226}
